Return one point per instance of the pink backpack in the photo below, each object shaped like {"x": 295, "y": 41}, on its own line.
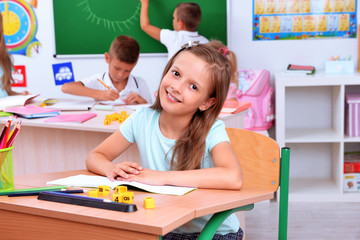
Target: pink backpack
{"x": 254, "y": 87}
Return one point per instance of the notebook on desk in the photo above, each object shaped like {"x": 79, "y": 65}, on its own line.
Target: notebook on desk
{"x": 72, "y": 105}
{"x": 96, "y": 181}
{"x": 31, "y": 111}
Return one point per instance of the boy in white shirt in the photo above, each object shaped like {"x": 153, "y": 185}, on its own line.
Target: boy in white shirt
{"x": 117, "y": 84}
{"x": 186, "y": 19}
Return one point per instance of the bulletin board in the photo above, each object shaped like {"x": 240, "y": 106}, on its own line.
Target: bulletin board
{"x": 304, "y": 19}
{"x": 89, "y": 26}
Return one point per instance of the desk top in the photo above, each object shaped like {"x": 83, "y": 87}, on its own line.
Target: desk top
{"x": 95, "y": 124}
{"x": 170, "y": 211}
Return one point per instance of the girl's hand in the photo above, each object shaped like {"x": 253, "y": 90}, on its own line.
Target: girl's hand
{"x": 123, "y": 171}
{"x": 149, "y": 176}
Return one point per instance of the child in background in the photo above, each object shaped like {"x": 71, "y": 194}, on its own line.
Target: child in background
{"x": 117, "y": 82}
{"x": 186, "y": 19}
{"x": 234, "y": 82}
{"x": 180, "y": 140}
{"x": 6, "y": 67}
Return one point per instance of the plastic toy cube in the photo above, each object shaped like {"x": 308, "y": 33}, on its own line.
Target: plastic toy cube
{"x": 128, "y": 197}
{"x": 120, "y": 189}
{"x": 104, "y": 190}
{"x": 117, "y": 197}
{"x": 149, "y": 202}
{"x": 93, "y": 193}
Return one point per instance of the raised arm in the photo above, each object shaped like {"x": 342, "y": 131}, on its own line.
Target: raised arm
{"x": 151, "y": 30}
{"x": 77, "y": 88}
{"x": 226, "y": 173}
{"x": 100, "y": 160}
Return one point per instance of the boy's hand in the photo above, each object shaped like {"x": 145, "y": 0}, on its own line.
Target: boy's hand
{"x": 109, "y": 95}
{"x": 134, "y": 98}
{"x": 123, "y": 170}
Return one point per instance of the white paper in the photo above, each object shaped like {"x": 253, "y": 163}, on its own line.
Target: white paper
{"x": 96, "y": 181}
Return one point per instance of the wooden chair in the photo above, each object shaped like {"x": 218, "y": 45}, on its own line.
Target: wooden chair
{"x": 262, "y": 168}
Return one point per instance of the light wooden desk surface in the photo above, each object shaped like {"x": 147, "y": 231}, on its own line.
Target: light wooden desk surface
{"x": 48, "y": 147}
{"x": 38, "y": 219}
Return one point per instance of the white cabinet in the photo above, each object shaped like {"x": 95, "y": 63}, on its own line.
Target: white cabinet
{"x": 310, "y": 119}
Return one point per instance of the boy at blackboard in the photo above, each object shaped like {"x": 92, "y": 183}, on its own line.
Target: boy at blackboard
{"x": 117, "y": 84}
{"x": 186, "y": 19}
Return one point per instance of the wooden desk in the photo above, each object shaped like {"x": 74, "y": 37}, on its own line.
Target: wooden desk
{"x": 39, "y": 219}
{"x": 47, "y": 147}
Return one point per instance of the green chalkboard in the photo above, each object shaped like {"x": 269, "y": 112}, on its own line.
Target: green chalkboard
{"x": 89, "y": 26}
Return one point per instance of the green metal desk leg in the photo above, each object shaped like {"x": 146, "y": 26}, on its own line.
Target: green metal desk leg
{"x": 284, "y": 192}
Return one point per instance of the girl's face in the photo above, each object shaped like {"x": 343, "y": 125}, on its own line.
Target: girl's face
{"x": 185, "y": 88}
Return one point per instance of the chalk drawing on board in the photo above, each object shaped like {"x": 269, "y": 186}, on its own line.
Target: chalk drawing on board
{"x": 111, "y": 24}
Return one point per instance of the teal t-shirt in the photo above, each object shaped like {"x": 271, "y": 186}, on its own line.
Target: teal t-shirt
{"x": 143, "y": 128}
{"x": 3, "y": 93}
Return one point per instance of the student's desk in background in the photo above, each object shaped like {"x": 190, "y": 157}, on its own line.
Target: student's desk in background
{"x": 48, "y": 147}
{"x": 40, "y": 219}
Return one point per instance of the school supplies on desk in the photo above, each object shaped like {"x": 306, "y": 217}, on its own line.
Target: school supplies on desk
{"x": 96, "y": 181}
{"x": 16, "y": 100}
{"x": 72, "y": 105}
{"x": 77, "y": 118}
{"x": 31, "y": 111}
{"x": 34, "y": 190}
{"x": 36, "y": 193}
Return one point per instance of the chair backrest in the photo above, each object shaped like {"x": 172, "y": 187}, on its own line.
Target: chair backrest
{"x": 259, "y": 157}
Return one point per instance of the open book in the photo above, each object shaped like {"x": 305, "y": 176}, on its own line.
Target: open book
{"x": 96, "y": 181}
{"x": 16, "y": 100}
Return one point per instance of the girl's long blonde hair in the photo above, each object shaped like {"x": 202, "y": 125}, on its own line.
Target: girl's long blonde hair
{"x": 5, "y": 60}
{"x": 221, "y": 48}
{"x": 189, "y": 149}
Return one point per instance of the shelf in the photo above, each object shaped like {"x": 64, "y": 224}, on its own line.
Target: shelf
{"x": 351, "y": 139}
{"x": 309, "y": 135}
{"x": 318, "y": 190}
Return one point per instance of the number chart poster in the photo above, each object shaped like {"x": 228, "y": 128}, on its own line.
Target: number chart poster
{"x": 303, "y": 19}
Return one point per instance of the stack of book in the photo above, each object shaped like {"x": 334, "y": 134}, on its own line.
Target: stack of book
{"x": 300, "y": 69}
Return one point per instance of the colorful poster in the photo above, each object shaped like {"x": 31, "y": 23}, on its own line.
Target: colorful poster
{"x": 19, "y": 76}
{"x": 20, "y": 27}
{"x": 63, "y": 73}
{"x": 304, "y": 19}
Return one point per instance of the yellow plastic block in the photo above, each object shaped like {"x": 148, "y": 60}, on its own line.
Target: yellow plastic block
{"x": 117, "y": 197}
{"x": 107, "y": 122}
{"x": 94, "y": 193}
{"x": 128, "y": 197}
{"x": 104, "y": 190}
{"x": 149, "y": 202}
{"x": 120, "y": 189}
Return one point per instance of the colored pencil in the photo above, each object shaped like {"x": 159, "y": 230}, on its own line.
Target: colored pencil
{"x": 13, "y": 136}
{"x": 37, "y": 193}
{"x": 4, "y": 134}
{"x": 28, "y": 190}
{"x": 104, "y": 84}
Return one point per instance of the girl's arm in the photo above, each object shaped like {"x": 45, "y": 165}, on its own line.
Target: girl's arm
{"x": 100, "y": 159}
{"x": 226, "y": 174}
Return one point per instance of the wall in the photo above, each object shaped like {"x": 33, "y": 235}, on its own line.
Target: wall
{"x": 271, "y": 55}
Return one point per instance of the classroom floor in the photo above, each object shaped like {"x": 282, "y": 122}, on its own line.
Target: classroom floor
{"x": 309, "y": 221}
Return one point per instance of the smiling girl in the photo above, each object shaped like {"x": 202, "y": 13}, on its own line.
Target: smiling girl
{"x": 180, "y": 140}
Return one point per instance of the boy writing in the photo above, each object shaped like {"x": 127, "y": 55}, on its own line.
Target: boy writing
{"x": 117, "y": 84}
{"x": 186, "y": 19}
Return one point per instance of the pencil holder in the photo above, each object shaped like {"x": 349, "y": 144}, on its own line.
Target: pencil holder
{"x": 6, "y": 169}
